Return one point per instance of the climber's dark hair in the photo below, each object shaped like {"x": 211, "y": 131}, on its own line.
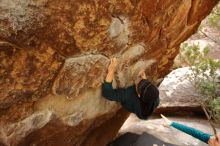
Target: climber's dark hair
{"x": 148, "y": 92}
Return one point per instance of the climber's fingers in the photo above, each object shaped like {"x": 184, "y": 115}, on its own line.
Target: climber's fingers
{"x": 167, "y": 120}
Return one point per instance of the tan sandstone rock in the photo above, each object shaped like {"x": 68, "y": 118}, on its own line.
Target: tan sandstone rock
{"x": 54, "y": 55}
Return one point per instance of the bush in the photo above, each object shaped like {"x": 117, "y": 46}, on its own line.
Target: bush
{"x": 214, "y": 105}
{"x": 214, "y": 17}
{"x": 204, "y": 77}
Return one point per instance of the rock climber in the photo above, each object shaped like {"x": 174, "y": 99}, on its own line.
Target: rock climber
{"x": 140, "y": 99}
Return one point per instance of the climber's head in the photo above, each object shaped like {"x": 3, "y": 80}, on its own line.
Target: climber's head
{"x": 147, "y": 91}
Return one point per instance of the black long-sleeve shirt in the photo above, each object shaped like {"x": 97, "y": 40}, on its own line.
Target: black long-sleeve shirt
{"x": 129, "y": 99}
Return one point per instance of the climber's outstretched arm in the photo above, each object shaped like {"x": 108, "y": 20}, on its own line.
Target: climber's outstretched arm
{"x": 207, "y": 138}
{"x": 107, "y": 89}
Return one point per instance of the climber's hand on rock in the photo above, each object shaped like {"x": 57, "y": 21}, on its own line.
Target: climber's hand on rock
{"x": 142, "y": 74}
{"x": 167, "y": 121}
{"x": 111, "y": 70}
{"x": 112, "y": 66}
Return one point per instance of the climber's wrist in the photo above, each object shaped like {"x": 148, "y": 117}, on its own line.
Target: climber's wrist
{"x": 111, "y": 72}
{"x": 109, "y": 77}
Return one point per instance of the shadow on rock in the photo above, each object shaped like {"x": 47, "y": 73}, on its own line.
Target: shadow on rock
{"x": 133, "y": 139}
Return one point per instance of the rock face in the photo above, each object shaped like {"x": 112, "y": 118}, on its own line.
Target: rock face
{"x": 54, "y": 55}
{"x": 177, "y": 94}
{"x": 207, "y": 36}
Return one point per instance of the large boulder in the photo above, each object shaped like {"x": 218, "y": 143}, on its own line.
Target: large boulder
{"x": 54, "y": 55}
{"x": 177, "y": 93}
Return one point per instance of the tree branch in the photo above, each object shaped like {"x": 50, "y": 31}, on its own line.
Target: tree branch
{"x": 209, "y": 37}
{"x": 210, "y": 122}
